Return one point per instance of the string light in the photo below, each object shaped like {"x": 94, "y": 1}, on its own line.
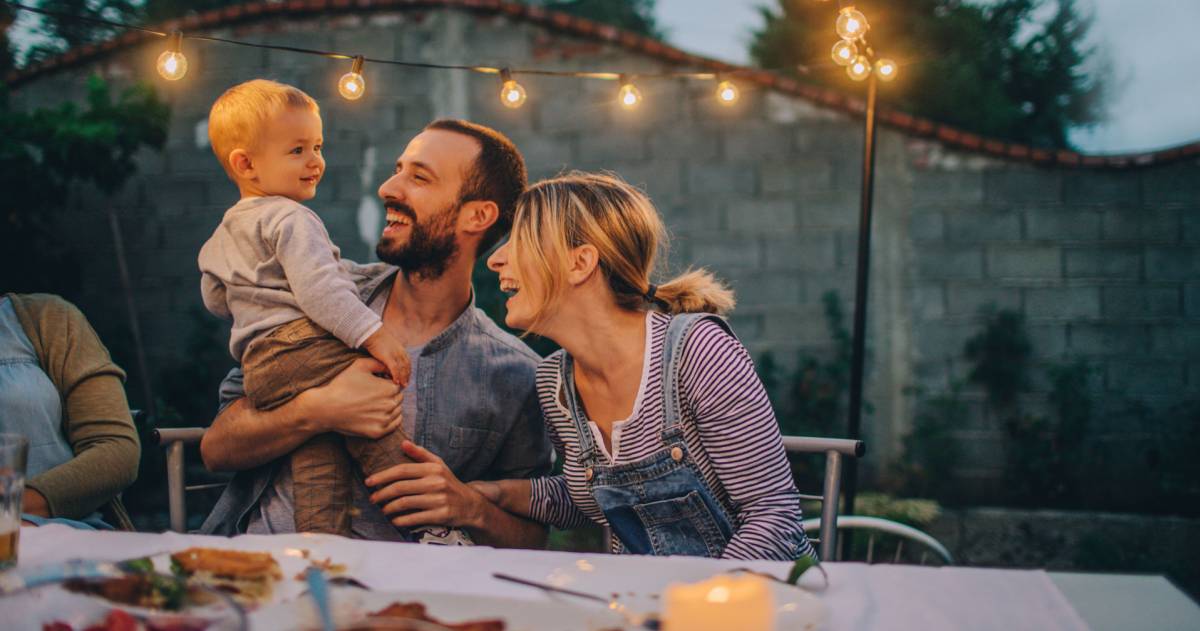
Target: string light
{"x": 851, "y": 24}
{"x": 859, "y": 69}
{"x": 172, "y": 65}
{"x": 351, "y": 85}
{"x": 844, "y": 52}
{"x": 885, "y": 69}
{"x": 727, "y": 93}
{"x": 512, "y": 95}
{"x": 628, "y": 96}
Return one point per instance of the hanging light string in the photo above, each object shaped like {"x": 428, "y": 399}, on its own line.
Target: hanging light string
{"x": 172, "y": 65}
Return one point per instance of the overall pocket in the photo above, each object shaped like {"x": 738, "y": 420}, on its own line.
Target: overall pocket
{"x": 681, "y": 525}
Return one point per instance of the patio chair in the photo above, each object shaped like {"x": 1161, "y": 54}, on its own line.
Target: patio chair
{"x": 173, "y": 439}
{"x": 834, "y": 449}
{"x": 876, "y": 528}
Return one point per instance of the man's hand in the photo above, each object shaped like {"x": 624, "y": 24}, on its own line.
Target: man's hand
{"x": 426, "y": 493}
{"x": 356, "y": 402}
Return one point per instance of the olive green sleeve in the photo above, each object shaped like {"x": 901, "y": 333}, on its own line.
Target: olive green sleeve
{"x": 96, "y": 416}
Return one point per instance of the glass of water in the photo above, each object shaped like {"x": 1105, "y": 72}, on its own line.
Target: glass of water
{"x": 14, "y": 453}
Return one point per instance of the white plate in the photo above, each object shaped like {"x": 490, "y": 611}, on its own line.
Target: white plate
{"x": 611, "y": 577}
{"x": 350, "y": 605}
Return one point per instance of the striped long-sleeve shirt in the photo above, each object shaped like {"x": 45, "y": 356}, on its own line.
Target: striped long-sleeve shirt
{"x": 728, "y": 427}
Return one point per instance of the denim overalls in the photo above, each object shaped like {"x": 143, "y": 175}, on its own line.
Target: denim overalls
{"x": 660, "y": 504}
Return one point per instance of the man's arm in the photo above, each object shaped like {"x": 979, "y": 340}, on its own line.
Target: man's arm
{"x": 355, "y": 402}
{"x": 426, "y": 493}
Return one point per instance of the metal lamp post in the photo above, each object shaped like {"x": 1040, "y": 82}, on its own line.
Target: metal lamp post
{"x": 862, "y": 64}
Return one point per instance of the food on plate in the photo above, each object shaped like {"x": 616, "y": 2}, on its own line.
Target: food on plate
{"x": 118, "y": 620}
{"x": 247, "y": 576}
{"x": 139, "y": 590}
{"x": 416, "y": 611}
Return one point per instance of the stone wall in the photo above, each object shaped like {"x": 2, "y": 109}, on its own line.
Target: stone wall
{"x": 1105, "y": 264}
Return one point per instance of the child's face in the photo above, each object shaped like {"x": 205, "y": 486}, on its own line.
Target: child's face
{"x": 288, "y": 161}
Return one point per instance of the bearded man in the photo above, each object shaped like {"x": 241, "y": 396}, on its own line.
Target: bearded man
{"x": 470, "y": 405}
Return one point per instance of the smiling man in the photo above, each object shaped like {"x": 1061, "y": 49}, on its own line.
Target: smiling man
{"x": 470, "y": 404}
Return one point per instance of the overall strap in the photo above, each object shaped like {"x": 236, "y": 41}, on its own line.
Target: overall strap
{"x": 588, "y": 452}
{"x": 677, "y": 333}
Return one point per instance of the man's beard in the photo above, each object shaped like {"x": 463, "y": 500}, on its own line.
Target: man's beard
{"x": 430, "y": 247}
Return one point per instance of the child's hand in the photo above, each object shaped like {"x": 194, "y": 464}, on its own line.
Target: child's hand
{"x": 387, "y": 349}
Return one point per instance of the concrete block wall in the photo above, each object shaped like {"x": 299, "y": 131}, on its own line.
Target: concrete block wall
{"x": 1104, "y": 264}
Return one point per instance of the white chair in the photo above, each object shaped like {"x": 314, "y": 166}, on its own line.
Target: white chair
{"x": 173, "y": 439}
{"x": 877, "y": 527}
{"x": 833, "y": 449}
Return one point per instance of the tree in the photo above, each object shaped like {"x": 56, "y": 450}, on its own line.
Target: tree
{"x": 992, "y": 68}
{"x": 61, "y": 33}
{"x": 631, "y": 15}
{"x": 44, "y": 154}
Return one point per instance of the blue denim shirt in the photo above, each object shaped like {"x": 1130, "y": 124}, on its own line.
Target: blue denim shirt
{"x": 477, "y": 407}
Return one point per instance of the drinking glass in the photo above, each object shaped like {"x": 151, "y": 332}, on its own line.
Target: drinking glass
{"x": 14, "y": 453}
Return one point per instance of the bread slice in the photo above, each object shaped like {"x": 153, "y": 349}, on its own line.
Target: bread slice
{"x": 249, "y": 577}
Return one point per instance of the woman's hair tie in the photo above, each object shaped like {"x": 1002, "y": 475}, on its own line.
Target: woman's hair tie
{"x": 651, "y": 291}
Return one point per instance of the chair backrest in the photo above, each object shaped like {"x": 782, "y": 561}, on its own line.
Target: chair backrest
{"x": 877, "y": 528}
{"x": 173, "y": 439}
{"x": 834, "y": 449}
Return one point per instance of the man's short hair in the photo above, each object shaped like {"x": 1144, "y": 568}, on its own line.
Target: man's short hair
{"x": 238, "y": 116}
{"x": 498, "y": 175}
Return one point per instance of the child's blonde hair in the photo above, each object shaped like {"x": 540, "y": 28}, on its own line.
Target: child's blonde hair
{"x": 239, "y": 115}
{"x": 556, "y": 215}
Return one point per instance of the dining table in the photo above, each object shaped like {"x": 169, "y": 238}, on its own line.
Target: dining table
{"x": 849, "y": 596}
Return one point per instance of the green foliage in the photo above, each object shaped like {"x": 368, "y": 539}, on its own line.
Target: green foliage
{"x": 812, "y": 400}
{"x": 631, "y": 15}
{"x": 989, "y": 67}
{"x": 61, "y": 34}
{"x": 45, "y": 155}
{"x": 1000, "y": 354}
{"x": 1045, "y": 458}
{"x": 930, "y": 449}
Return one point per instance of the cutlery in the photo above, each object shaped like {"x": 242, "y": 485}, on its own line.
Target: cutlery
{"x": 318, "y": 588}
{"x": 643, "y": 620}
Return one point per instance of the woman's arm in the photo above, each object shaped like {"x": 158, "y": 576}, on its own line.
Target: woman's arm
{"x": 741, "y": 437}
{"x": 355, "y": 402}
{"x": 97, "y": 422}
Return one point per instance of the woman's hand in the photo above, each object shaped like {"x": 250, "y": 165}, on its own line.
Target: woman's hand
{"x": 425, "y": 492}
{"x": 357, "y": 402}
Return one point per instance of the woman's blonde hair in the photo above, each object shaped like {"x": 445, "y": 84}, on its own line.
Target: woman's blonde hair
{"x": 557, "y": 215}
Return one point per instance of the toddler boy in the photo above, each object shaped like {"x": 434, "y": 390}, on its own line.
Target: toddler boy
{"x": 272, "y": 269}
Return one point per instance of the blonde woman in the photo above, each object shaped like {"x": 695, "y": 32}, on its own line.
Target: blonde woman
{"x": 665, "y": 432}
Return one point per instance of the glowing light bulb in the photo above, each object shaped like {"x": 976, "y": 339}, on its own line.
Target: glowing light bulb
{"x": 512, "y": 95}
{"x": 886, "y": 69}
{"x": 629, "y": 96}
{"x": 352, "y": 86}
{"x": 859, "y": 69}
{"x": 727, "y": 93}
{"x": 844, "y": 52}
{"x": 851, "y": 24}
{"x": 172, "y": 65}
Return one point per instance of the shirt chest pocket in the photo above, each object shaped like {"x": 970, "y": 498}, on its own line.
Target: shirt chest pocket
{"x": 469, "y": 450}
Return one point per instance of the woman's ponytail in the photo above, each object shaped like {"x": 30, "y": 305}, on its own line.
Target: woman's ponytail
{"x": 694, "y": 291}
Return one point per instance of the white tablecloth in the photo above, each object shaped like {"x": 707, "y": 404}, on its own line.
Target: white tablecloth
{"x": 859, "y": 597}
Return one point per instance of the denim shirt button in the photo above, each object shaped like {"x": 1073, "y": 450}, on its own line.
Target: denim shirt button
{"x": 677, "y": 454}
{"x": 587, "y": 474}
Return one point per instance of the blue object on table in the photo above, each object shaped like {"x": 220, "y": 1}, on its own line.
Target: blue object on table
{"x": 22, "y": 578}
{"x": 89, "y": 523}
{"x": 318, "y": 586}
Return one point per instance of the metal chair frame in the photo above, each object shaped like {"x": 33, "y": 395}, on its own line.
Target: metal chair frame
{"x": 173, "y": 439}
{"x": 834, "y": 449}
{"x": 875, "y": 525}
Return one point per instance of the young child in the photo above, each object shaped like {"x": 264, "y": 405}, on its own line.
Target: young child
{"x": 297, "y": 316}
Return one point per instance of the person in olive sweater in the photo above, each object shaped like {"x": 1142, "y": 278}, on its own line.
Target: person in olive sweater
{"x": 60, "y": 388}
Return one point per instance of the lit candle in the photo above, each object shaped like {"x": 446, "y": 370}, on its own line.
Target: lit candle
{"x": 721, "y": 603}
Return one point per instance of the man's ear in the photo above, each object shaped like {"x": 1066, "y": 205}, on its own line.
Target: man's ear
{"x": 476, "y": 217}
{"x": 241, "y": 165}
{"x": 582, "y": 264}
